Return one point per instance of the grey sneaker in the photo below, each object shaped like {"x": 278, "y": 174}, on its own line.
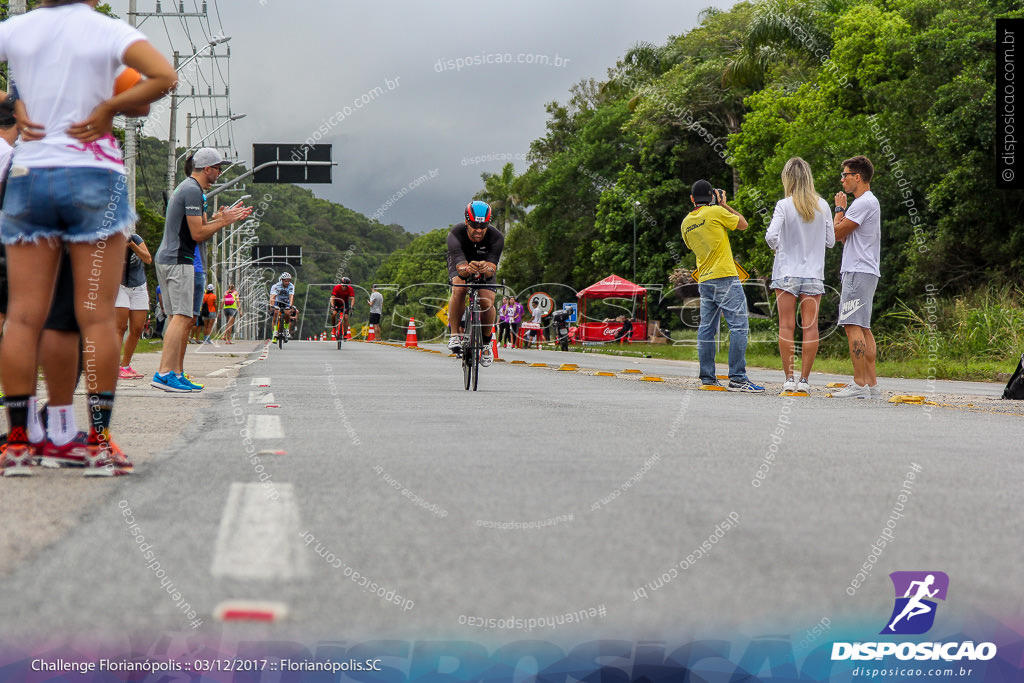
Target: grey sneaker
{"x": 789, "y": 385}
{"x": 853, "y": 391}
{"x": 803, "y": 385}
{"x": 486, "y": 357}
{"x": 876, "y": 392}
{"x": 455, "y": 343}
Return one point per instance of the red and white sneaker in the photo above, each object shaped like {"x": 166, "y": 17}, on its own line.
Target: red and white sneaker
{"x": 106, "y": 460}
{"x": 17, "y": 461}
{"x": 74, "y": 453}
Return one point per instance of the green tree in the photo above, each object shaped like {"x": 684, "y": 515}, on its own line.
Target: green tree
{"x": 503, "y": 191}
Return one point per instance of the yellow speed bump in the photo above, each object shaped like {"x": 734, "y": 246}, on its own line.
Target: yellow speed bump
{"x": 794, "y": 393}
{"x": 651, "y": 378}
{"x": 632, "y": 371}
{"x": 605, "y": 374}
{"x": 567, "y": 368}
{"x": 538, "y": 365}
{"x": 835, "y": 385}
{"x": 519, "y": 362}
{"x": 914, "y": 400}
{"x": 712, "y": 387}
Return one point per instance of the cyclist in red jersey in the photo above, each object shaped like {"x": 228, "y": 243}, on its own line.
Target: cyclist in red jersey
{"x": 342, "y": 297}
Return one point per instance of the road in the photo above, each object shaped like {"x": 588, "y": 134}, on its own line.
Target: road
{"x": 542, "y": 494}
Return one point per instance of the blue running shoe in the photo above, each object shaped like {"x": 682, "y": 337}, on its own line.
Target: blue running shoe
{"x": 195, "y": 386}
{"x": 746, "y": 386}
{"x": 169, "y": 382}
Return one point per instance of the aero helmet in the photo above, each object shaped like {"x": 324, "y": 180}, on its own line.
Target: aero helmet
{"x": 478, "y": 212}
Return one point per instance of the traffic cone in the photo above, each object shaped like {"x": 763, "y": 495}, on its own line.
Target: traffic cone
{"x": 334, "y": 337}
{"x": 348, "y": 334}
{"x": 410, "y": 335}
{"x": 494, "y": 343}
{"x": 371, "y": 336}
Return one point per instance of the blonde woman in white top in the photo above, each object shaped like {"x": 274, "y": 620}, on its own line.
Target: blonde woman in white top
{"x": 800, "y": 231}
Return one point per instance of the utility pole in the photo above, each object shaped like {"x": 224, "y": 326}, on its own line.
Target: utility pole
{"x": 131, "y": 141}
{"x": 172, "y": 138}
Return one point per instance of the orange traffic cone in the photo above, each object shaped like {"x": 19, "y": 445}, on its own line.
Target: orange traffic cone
{"x": 334, "y": 337}
{"x": 348, "y": 334}
{"x": 410, "y": 335}
{"x": 371, "y": 336}
{"x": 494, "y": 343}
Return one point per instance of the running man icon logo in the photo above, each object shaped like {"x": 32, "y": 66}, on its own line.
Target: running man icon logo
{"x": 916, "y": 592}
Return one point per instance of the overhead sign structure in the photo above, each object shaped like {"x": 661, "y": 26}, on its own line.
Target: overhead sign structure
{"x": 295, "y": 169}
{"x": 277, "y": 255}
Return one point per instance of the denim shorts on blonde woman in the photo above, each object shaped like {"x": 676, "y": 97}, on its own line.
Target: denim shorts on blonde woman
{"x": 72, "y": 204}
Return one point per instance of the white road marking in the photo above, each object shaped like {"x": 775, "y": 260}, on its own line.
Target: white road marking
{"x": 260, "y": 382}
{"x": 260, "y": 397}
{"x": 259, "y": 536}
{"x": 265, "y": 427}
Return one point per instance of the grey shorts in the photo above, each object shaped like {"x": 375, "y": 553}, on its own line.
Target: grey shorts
{"x": 857, "y": 298}
{"x": 177, "y": 284}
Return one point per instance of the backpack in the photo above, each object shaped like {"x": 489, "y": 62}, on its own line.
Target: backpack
{"x": 1015, "y": 387}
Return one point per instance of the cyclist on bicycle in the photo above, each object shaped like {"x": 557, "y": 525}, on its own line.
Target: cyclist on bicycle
{"x": 342, "y": 297}
{"x": 474, "y": 248}
{"x": 282, "y": 298}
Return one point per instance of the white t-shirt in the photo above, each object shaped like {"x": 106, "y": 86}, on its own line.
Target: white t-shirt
{"x": 862, "y": 251}
{"x": 799, "y": 246}
{"x": 64, "y": 60}
{"x": 5, "y": 156}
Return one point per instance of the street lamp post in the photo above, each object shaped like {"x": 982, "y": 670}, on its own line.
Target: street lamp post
{"x": 172, "y": 134}
{"x": 635, "y": 204}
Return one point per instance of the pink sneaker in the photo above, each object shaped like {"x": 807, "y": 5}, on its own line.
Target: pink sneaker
{"x": 124, "y": 373}
{"x": 134, "y": 374}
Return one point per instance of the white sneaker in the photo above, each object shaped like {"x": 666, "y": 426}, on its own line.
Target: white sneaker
{"x": 789, "y": 385}
{"x": 803, "y": 385}
{"x": 486, "y": 358}
{"x": 853, "y": 391}
{"x": 876, "y": 392}
{"x": 455, "y": 343}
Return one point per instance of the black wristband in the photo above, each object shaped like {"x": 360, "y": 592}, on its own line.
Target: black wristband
{"x": 840, "y": 209}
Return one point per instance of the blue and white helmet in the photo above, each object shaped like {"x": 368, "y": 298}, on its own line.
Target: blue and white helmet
{"x": 478, "y": 212}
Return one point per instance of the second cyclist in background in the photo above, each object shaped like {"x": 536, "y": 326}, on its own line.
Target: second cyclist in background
{"x": 282, "y": 298}
{"x": 342, "y": 297}
{"x": 474, "y": 248}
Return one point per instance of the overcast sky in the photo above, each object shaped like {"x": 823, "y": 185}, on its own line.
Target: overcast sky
{"x": 296, "y": 63}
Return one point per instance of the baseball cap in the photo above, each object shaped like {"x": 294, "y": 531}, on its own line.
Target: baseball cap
{"x": 209, "y": 288}
{"x": 701, "y": 191}
{"x": 207, "y": 157}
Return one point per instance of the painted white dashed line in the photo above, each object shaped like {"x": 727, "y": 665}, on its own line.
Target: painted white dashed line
{"x": 260, "y": 382}
{"x": 217, "y": 373}
{"x": 265, "y": 427}
{"x": 259, "y": 535}
{"x": 261, "y": 397}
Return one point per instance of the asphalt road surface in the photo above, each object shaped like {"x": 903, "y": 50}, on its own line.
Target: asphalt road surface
{"x": 365, "y": 491}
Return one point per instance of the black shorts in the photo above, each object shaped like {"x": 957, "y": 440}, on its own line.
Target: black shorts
{"x": 375, "y": 318}
{"x": 490, "y": 284}
{"x": 62, "y": 311}
{"x": 343, "y": 308}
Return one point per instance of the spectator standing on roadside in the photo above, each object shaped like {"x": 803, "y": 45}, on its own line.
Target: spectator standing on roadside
{"x": 706, "y": 232}
{"x": 132, "y": 303}
{"x": 625, "y": 333}
{"x": 209, "y": 312}
{"x": 800, "y": 231}
{"x": 505, "y": 322}
{"x": 185, "y": 226}
{"x": 517, "y": 320}
{"x": 230, "y": 309}
{"x": 66, "y": 56}
{"x": 859, "y": 227}
{"x": 376, "y": 302}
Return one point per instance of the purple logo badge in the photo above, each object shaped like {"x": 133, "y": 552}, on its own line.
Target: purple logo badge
{"x": 916, "y": 593}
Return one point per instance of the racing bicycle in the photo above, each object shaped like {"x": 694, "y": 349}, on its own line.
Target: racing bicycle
{"x": 280, "y": 329}
{"x": 473, "y": 329}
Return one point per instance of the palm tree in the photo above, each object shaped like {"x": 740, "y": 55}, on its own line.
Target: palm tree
{"x": 503, "y": 192}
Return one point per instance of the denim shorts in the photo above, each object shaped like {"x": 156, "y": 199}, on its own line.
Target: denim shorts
{"x": 69, "y": 204}
{"x": 809, "y": 286}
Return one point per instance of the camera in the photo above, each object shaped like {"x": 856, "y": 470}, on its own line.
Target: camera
{"x": 714, "y": 196}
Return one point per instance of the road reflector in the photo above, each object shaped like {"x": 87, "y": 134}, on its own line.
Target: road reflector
{"x": 250, "y": 610}
{"x": 605, "y": 374}
{"x": 538, "y": 365}
{"x": 632, "y": 371}
{"x": 273, "y": 405}
{"x": 567, "y": 368}
{"x": 651, "y": 378}
{"x": 519, "y": 362}
{"x": 270, "y": 452}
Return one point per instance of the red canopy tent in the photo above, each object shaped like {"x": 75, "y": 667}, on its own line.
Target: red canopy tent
{"x": 612, "y": 287}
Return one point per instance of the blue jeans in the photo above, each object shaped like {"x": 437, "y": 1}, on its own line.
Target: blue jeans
{"x": 722, "y": 297}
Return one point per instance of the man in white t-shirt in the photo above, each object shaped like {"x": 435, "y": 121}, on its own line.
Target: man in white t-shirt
{"x": 859, "y": 227}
